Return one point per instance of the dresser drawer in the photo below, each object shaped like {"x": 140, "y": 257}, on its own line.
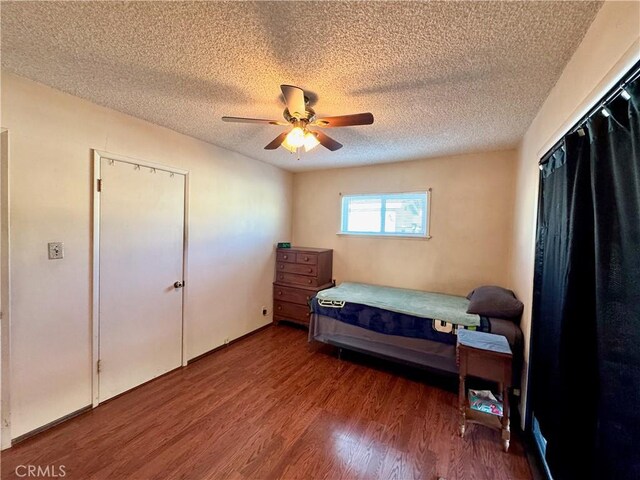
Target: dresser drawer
{"x": 307, "y": 258}
{"x": 289, "y": 257}
{"x": 297, "y": 268}
{"x": 296, "y": 279}
{"x": 291, "y": 311}
{"x": 293, "y": 295}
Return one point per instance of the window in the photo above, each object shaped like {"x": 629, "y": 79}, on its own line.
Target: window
{"x": 386, "y": 214}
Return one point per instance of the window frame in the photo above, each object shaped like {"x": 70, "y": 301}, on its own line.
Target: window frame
{"x": 383, "y": 196}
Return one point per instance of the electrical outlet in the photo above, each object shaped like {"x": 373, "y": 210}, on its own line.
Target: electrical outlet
{"x": 265, "y": 312}
{"x": 56, "y": 250}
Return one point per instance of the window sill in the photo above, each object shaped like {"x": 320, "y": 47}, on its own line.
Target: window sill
{"x": 388, "y": 237}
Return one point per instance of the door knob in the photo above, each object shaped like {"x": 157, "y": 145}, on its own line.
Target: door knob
{"x": 178, "y": 284}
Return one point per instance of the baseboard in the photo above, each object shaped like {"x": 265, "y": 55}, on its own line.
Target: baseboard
{"x": 49, "y": 425}
{"x": 242, "y": 337}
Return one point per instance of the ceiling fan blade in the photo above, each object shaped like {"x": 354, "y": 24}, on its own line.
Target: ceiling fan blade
{"x": 345, "y": 120}
{"x": 327, "y": 142}
{"x": 294, "y": 98}
{"x": 252, "y": 120}
{"x": 275, "y": 143}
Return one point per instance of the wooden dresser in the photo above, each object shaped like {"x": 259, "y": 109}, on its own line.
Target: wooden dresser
{"x": 300, "y": 273}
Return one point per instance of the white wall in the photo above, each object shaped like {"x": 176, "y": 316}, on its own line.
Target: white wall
{"x": 5, "y": 434}
{"x": 471, "y": 222}
{"x": 609, "y": 48}
{"x": 239, "y": 208}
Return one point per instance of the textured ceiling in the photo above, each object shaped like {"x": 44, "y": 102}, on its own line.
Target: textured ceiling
{"x": 440, "y": 77}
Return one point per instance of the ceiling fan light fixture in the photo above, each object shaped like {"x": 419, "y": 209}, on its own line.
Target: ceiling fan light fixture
{"x": 295, "y": 138}
{"x": 310, "y": 141}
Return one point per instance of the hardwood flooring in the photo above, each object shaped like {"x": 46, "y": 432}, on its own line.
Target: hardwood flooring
{"x": 273, "y": 406}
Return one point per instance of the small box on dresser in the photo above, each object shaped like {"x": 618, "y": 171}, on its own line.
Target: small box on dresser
{"x": 301, "y": 272}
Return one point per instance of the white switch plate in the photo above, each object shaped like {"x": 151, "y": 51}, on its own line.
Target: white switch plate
{"x": 56, "y": 250}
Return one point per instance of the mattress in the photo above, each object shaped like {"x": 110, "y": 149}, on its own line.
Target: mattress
{"x": 416, "y": 303}
{"x": 394, "y": 323}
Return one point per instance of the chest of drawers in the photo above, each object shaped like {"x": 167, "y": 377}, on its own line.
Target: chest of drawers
{"x": 301, "y": 272}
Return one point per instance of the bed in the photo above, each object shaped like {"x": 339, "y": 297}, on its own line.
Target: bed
{"x": 409, "y": 326}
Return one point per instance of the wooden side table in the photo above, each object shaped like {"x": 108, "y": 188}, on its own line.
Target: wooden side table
{"x": 489, "y": 357}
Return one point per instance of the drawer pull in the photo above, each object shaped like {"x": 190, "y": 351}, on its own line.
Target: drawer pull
{"x": 285, "y": 256}
{"x": 280, "y": 292}
{"x": 309, "y": 282}
{"x": 306, "y": 259}
{"x": 281, "y": 265}
{"x": 310, "y": 270}
{"x": 281, "y": 277}
{"x": 307, "y": 314}
{"x": 308, "y": 298}
{"x": 279, "y": 307}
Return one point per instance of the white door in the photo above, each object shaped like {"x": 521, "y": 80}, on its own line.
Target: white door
{"x": 141, "y": 258}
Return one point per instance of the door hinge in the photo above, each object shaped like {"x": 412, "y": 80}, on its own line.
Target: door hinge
{"x": 99, "y": 365}
{"x": 99, "y": 185}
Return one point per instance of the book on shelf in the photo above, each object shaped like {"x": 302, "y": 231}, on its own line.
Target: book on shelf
{"x": 484, "y": 401}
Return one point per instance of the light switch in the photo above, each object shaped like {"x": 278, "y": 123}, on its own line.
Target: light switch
{"x": 56, "y": 250}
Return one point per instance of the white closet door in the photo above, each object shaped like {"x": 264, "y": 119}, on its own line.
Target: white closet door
{"x": 141, "y": 258}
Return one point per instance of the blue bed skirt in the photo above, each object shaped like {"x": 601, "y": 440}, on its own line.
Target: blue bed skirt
{"x": 391, "y": 323}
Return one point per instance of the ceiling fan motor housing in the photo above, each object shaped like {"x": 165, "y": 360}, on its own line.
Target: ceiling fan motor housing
{"x": 309, "y": 117}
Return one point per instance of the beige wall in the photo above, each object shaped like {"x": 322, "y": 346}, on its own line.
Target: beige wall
{"x": 471, "y": 221}
{"x": 238, "y": 209}
{"x": 609, "y": 48}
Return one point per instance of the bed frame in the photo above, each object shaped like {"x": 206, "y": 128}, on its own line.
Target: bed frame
{"x": 416, "y": 352}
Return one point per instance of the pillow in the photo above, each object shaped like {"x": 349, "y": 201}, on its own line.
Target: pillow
{"x": 494, "y": 301}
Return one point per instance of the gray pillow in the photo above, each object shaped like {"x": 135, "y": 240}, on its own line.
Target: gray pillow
{"x": 494, "y": 301}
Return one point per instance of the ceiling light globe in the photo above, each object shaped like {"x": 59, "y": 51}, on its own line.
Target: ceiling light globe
{"x": 310, "y": 141}
{"x": 288, "y": 147}
{"x": 295, "y": 137}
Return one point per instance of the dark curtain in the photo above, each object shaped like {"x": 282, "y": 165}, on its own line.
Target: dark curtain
{"x": 585, "y": 364}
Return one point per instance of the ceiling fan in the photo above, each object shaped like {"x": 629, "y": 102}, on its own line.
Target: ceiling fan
{"x": 301, "y": 116}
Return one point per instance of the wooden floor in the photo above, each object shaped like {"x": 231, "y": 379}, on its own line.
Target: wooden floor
{"x": 272, "y": 406}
